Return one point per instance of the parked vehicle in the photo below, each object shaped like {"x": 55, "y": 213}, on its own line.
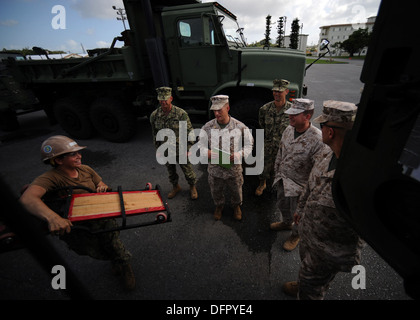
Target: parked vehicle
{"x": 195, "y": 48}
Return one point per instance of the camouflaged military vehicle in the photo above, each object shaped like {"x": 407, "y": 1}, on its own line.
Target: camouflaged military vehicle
{"x": 198, "y": 49}
{"x": 14, "y": 100}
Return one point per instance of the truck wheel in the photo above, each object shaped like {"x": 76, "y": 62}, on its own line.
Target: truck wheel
{"x": 246, "y": 110}
{"x": 8, "y": 120}
{"x": 112, "y": 120}
{"x": 73, "y": 116}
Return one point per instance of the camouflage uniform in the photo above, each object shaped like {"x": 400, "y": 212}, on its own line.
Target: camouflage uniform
{"x": 159, "y": 120}
{"x": 328, "y": 243}
{"x": 293, "y": 165}
{"x": 219, "y": 177}
{"x": 274, "y": 123}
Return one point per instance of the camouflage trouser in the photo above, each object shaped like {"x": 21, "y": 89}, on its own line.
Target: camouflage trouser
{"x": 270, "y": 154}
{"x": 217, "y": 186}
{"x": 315, "y": 275}
{"x": 102, "y": 246}
{"x": 188, "y": 173}
{"x": 287, "y": 206}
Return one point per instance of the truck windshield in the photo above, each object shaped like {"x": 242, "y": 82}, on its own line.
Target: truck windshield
{"x": 233, "y": 32}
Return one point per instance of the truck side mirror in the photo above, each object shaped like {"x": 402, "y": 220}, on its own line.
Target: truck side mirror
{"x": 324, "y": 45}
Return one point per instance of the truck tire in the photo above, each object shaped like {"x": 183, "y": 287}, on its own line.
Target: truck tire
{"x": 73, "y": 116}
{"x": 246, "y": 111}
{"x": 8, "y": 120}
{"x": 112, "y": 120}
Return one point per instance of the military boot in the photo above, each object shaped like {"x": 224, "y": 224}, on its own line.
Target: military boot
{"x": 237, "y": 213}
{"x": 280, "y": 226}
{"x": 128, "y": 276}
{"x": 174, "y": 191}
{"x": 291, "y": 288}
{"x": 126, "y": 272}
{"x": 260, "y": 188}
{"x": 218, "y": 212}
{"x": 193, "y": 193}
{"x": 291, "y": 243}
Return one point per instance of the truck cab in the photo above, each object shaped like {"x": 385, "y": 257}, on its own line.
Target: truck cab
{"x": 208, "y": 55}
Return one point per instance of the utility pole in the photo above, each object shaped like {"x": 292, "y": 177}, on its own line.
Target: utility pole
{"x": 121, "y": 13}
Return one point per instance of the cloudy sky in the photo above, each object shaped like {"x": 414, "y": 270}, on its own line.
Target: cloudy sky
{"x": 312, "y": 14}
{"x": 93, "y": 23}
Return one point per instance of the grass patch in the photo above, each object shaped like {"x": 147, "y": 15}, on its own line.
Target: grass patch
{"x": 324, "y": 61}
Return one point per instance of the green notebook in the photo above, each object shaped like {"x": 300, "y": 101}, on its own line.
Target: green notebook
{"x": 224, "y": 158}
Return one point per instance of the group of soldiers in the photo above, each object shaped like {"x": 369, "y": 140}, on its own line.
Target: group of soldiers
{"x": 299, "y": 161}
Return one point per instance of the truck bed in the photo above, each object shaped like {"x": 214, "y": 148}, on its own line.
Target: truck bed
{"x": 119, "y": 64}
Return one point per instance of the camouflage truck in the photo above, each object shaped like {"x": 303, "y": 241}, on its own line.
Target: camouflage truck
{"x": 195, "y": 48}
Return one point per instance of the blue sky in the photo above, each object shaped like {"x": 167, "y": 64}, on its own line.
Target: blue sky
{"x": 93, "y": 23}
{"x": 27, "y": 23}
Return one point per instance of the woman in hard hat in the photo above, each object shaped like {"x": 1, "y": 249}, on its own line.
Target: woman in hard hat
{"x": 64, "y": 155}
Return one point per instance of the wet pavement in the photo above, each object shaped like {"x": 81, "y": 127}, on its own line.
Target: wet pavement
{"x": 193, "y": 257}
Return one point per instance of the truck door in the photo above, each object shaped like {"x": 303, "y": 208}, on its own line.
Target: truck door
{"x": 197, "y": 49}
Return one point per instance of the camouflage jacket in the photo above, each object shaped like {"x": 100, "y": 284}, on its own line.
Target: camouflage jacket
{"x": 241, "y": 140}
{"x": 159, "y": 121}
{"x": 273, "y": 123}
{"x": 296, "y": 158}
{"x": 323, "y": 230}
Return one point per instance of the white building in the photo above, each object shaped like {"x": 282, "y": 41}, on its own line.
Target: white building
{"x": 341, "y": 32}
{"x": 57, "y": 56}
{"x": 303, "y": 39}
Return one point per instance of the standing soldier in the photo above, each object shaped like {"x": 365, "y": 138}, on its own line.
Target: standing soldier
{"x": 225, "y": 133}
{"x": 274, "y": 121}
{"x": 168, "y": 116}
{"x": 300, "y": 144}
{"x": 328, "y": 243}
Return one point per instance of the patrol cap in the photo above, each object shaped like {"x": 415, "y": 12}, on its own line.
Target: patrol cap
{"x": 337, "y": 111}
{"x": 280, "y": 85}
{"x": 299, "y": 105}
{"x": 164, "y": 93}
{"x": 218, "y": 101}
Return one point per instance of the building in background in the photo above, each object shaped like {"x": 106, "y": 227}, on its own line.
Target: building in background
{"x": 341, "y": 32}
{"x": 303, "y": 39}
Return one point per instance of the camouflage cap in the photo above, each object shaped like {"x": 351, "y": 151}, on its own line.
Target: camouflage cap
{"x": 337, "y": 111}
{"x": 218, "y": 102}
{"x": 299, "y": 105}
{"x": 280, "y": 85}
{"x": 164, "y": 93}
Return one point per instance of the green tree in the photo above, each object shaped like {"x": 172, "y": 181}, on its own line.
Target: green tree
{"x": 294, "y": 34}
{"x": 356, "y": 41}
{"x": 280, "y": 32}
{"x": 267, "y": 31}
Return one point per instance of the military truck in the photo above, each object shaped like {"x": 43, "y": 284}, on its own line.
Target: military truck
{"x": 195, "y": 48}
{"x": 14, "y": 100}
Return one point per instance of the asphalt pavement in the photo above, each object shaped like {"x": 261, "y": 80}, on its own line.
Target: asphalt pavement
{"x": 193, "y": 257}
